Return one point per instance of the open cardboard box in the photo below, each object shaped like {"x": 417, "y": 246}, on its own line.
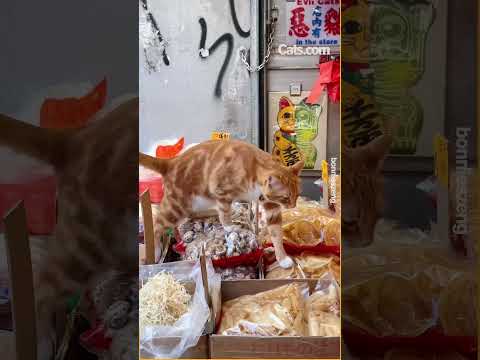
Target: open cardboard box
{"x": 279, "y": 347}
{"x": 201, "y": 350}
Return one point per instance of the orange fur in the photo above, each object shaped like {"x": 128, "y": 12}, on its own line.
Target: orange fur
{"x": 96, "y": 168}
{"x": 220, "y": 172}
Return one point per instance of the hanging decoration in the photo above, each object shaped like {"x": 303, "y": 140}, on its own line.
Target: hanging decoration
{"x": 154, "y": 45}
{"x": 329, "y": 78}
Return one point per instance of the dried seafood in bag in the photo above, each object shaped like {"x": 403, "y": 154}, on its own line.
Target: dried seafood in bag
{"x": 238, "y": 273}
{"x": 209, "y": 233}
{"x": 308, "y": 224}
{"x": 307, "y": 266}
{"x": 277, "y": 312}
{"x": 275, "y": 271}
{"x": 322, "y": 312}
{"x": 316, "y": 266}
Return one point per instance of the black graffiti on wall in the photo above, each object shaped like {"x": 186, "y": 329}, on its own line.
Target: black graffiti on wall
{"x": 152, "y": 20}
{"x": 228, "y": 39}
{"x": 233, "y": 11}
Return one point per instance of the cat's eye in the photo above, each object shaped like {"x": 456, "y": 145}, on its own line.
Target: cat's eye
{"x": 352, "y": 27}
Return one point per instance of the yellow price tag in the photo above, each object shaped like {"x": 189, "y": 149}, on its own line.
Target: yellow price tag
{"x": 441, "y": 159}
{"x": 325, "y": 172}
{"x": 219, "y": 135}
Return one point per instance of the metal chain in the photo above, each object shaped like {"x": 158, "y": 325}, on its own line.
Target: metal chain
{"x": 243, "y": 54}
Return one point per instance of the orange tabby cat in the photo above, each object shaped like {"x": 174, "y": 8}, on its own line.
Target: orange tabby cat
{"x": 96, "y": 168}
{"x": 216, "y": 173}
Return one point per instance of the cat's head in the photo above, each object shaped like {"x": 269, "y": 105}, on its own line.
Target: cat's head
{"x": 286, "y": 115}
{"x": 282, "y": 184}
{"x": 362, "y": 189}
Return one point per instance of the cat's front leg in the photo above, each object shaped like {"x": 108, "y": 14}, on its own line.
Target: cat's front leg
{"x": 276, "y": 235}
{"x": 271, "y": 215}
{"x": 224, "y": 209}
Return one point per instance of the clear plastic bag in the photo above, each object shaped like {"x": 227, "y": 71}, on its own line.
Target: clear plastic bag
{"x": 307, "y": 266}
{"x": 405, "y": 290}
{"x": 322, "y": 308}
{"x": 173, "y": 341}
{"x": 277, "y": 312}
{"x": 310, "y": 224}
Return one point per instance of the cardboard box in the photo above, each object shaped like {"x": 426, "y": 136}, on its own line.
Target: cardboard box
{"x": 278, "y": 347}
{"x": 201, "y": 350}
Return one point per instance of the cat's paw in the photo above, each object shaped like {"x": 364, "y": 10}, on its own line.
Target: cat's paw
{"x": 286, "y": 262}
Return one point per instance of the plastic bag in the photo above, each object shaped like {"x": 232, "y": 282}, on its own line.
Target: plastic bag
{"x": 405, "y": 290}
{"x": 316, "y": 266}
{"x": 277, "y": 312}
{"x": 322, "y": 309}
{"x": 307, "y": 266}
{"x": 309, "y": 224}
{"x": 173, "y": 341}
{"x": 306, "y": 226}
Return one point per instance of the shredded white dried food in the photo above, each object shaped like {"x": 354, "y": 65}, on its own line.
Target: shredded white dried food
{"x": 163, "y": 300}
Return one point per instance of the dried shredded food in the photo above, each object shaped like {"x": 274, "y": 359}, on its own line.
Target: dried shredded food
{"x": 277, "y": 312}
{"x": 163, "y": 300}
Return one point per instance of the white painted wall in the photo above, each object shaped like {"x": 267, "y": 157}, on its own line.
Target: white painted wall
{"x": 179, "y": 99}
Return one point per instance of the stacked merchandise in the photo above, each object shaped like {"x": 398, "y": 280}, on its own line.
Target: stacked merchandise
{"x": 235, "y": 254}
{"x": 250, "y": 296}
{"x": 311, "y": 235}
{"x": 288, "y": 310}
{"x": 425, "y": 296}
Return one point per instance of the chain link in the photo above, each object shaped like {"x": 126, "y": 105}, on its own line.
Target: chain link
{"x": 243, "y": 54}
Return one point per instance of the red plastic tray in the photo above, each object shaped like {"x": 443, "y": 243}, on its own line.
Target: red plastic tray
{"x": 155, "y": 185}
{"x": 320, "y": 249}
{"x": 39, "y": 196}
{"x": 250, "y": 259}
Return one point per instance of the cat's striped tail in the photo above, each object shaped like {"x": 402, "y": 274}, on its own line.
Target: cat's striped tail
{"x": 40, "y": 143}
{"x": 153, "y": 163}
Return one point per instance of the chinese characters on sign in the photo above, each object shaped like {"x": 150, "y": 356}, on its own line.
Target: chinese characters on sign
{"x": 313, "y": 22}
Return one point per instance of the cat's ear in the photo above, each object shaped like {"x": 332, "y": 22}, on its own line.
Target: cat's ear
{"x": 297, "y": 167}
{"x": 284, "y": 102}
